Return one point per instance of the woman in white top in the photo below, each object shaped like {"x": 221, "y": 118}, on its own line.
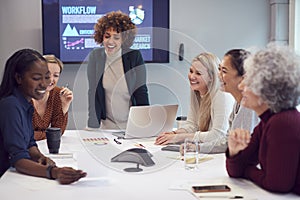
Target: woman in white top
{"x": 210, "y": 108}
{"x": 231, "y": 71}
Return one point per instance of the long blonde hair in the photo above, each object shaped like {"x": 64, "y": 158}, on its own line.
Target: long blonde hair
{"x": 203, "y": 103}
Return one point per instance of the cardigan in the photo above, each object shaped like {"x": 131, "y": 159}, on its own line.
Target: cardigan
{"x": 275, "y": 146}
{"x": 135, "y": 75}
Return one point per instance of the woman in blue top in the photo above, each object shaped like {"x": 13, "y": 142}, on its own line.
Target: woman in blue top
{"x": 26, "y": 76}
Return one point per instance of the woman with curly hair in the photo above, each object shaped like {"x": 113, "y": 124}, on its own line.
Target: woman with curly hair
{"x": 270, "y": 157}
{"x": 116, "y": 73}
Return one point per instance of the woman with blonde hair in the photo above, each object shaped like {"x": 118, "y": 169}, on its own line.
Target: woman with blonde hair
{"x": 210, "y": 108}
{"x": 52, "y": 109}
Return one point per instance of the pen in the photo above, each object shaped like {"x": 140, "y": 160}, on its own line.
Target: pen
{"x": 118, "y": 142}
{"x": 140, "y": 145}
{"x": 222, "y": 197}
{"x": 66, "y": 86}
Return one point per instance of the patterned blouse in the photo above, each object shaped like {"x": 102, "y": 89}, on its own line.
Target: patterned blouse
{"x": 53, "y": 116}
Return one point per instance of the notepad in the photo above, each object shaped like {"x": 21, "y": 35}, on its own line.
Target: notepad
{"x": 200, "y": 160}
{"x": 97, "y": 141}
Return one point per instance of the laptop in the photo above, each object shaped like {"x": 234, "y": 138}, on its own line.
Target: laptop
{"x": 149, "y": 121}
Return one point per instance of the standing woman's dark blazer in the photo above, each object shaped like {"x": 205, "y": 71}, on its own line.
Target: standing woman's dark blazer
{"x": 135, "y": 74}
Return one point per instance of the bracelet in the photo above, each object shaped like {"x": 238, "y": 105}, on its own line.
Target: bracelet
{"x": 48, "y": 172}
{"x": 174, "y": 132}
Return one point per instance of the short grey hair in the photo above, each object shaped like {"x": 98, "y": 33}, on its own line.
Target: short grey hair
{"x": 274, "y": 75}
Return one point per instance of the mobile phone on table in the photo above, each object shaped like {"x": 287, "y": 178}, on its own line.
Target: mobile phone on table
{"x": 211, "y": 188}
{"x": 171, "y": 148}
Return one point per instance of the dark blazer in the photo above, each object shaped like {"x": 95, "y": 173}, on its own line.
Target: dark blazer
{"x": 135, "y": 75}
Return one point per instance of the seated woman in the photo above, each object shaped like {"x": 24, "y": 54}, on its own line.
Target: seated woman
{"x": 52, "y": 109}
{"x": 231, "y": 71}
{"x": 210, "y": 108}
{"x": 116, "y": 73}
{"x": 270, "y": 157}
{"x": 26, "y": 76}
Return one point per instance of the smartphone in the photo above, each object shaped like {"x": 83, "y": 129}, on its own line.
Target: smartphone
{"x": 211, "y": 188}
{"x": 171, "y": 148}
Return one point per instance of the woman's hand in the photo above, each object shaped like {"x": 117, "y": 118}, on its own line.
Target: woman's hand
{"x": 165, "y": 138}
{"x": 171, "y": 137}
{"x": 67, "y": 175}
{"x": 238, "y": 140}
{"x": 66, "y": 96}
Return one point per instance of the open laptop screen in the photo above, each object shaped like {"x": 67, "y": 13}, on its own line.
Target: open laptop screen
{"x": 149, "y": 121}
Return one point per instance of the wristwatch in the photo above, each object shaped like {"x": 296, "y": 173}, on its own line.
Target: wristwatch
{"x": 48, "y": 171}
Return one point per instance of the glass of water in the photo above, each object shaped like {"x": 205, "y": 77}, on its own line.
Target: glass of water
{"x": 191, "y": 148}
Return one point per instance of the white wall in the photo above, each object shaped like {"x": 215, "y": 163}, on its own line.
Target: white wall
{"x": 202, "y": 25}
{"x": 20, "y": 27}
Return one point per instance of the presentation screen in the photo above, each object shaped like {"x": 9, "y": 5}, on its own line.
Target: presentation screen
{"x": 68, "y": 27}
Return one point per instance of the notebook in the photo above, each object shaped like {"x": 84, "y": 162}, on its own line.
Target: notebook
{"x": 149, "y": 121}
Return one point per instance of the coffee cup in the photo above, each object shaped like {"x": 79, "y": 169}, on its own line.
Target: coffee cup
{"x": 53, "y": 135}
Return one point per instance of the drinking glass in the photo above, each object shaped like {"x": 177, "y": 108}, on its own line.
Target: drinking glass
{"x": 191, "y": 153}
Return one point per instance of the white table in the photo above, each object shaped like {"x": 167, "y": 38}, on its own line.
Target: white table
{"x": 106, "y": 181}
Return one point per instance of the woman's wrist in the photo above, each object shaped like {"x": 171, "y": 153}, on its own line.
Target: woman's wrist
{"x": 65, "y": 108}
{"x": 178, "y": 131}
{"x": 50, "y": 172}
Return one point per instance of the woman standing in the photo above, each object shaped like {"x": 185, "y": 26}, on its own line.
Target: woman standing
{"x": 116, "y": 73}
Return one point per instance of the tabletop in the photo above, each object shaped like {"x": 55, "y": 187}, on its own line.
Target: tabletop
{"x": 91, "y": 151}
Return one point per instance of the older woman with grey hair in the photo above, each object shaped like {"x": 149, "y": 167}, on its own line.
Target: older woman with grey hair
{"x": 271, "y": 88}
